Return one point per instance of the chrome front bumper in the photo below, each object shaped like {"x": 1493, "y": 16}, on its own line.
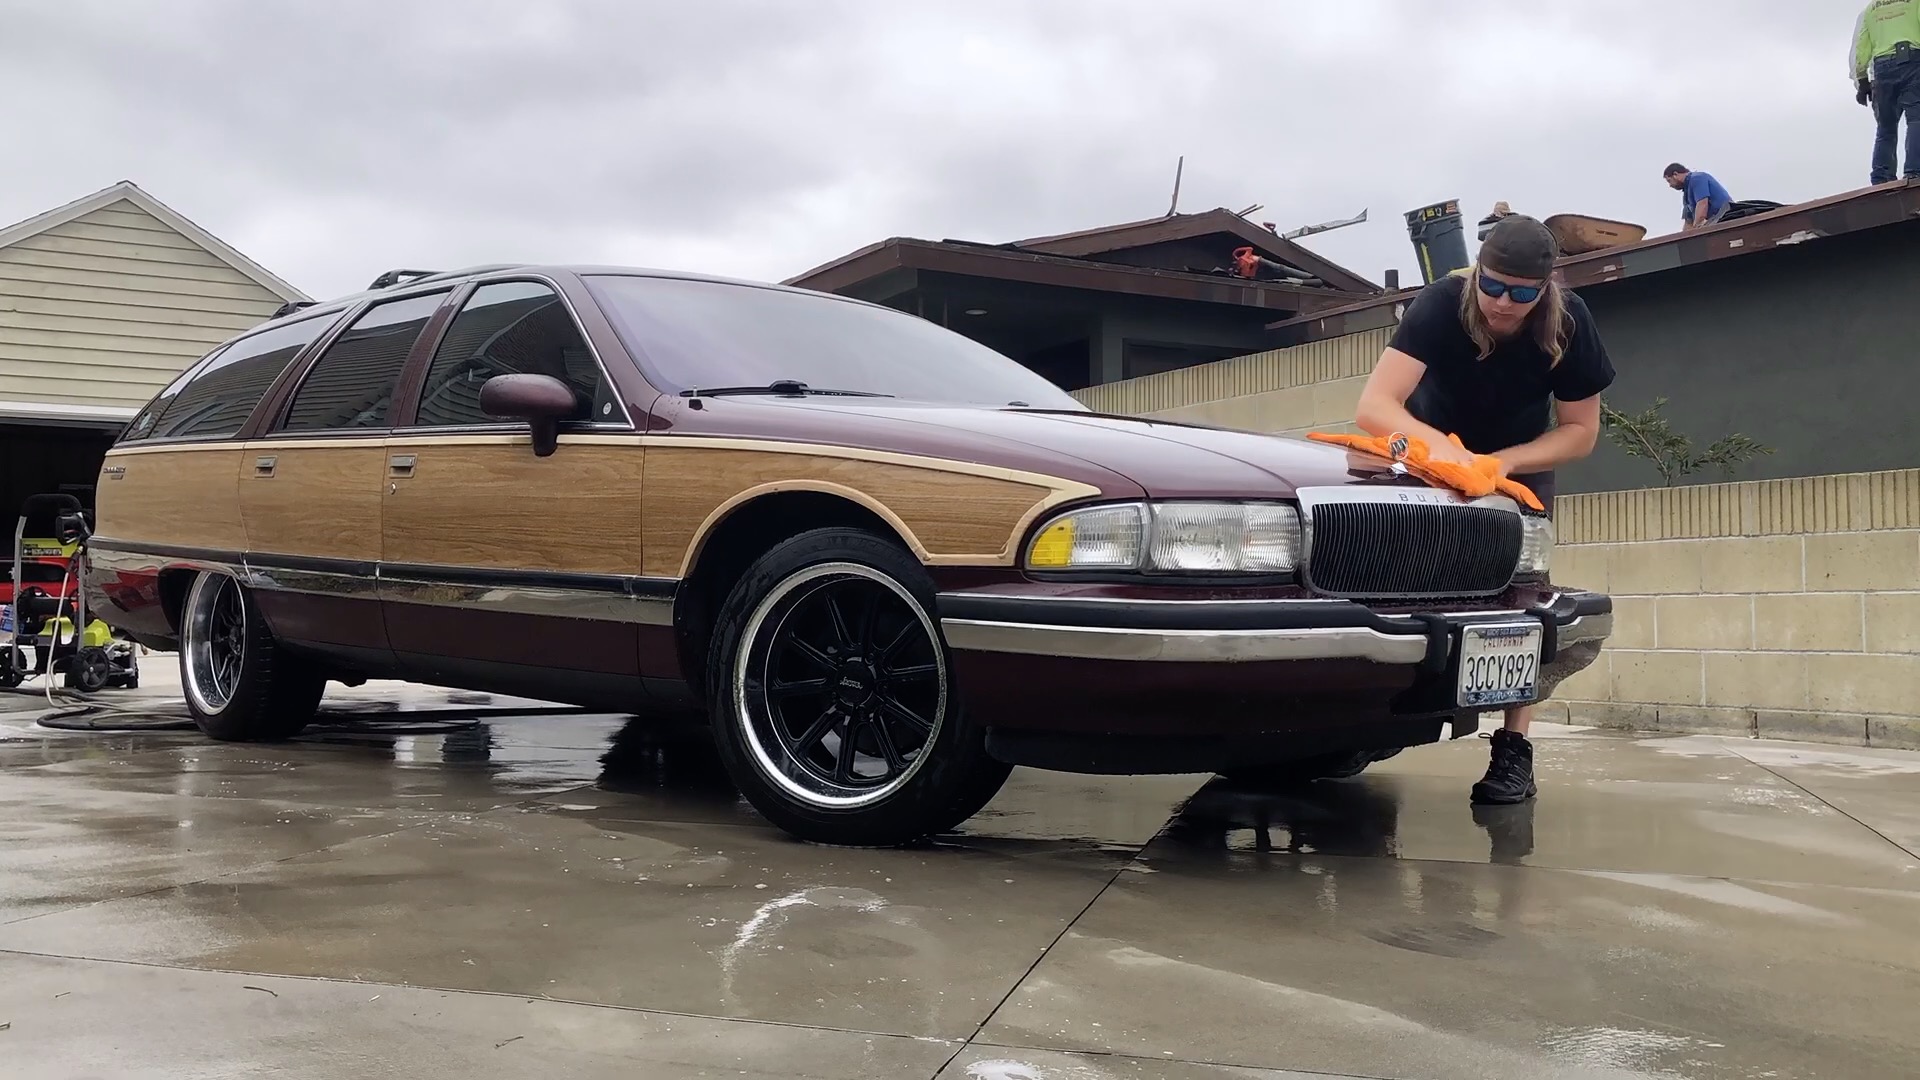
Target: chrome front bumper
{"x": 1231, "y": 632}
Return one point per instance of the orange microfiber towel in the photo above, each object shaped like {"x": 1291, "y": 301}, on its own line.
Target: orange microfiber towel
{"x": 1480, "y": 478}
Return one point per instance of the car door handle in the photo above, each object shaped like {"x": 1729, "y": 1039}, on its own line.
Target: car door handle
{"x": 400, "y": 465}
{"x": 263, "y": 466}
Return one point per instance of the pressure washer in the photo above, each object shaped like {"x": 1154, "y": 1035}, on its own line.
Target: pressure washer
{"x": 45, "y": 627}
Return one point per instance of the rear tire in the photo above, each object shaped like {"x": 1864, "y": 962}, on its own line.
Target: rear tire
{"x": 240, "y": 685}
{"x": 833, "y": 702}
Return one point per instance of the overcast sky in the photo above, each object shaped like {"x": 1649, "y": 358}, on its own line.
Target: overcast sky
{"x": 334, "y": 139}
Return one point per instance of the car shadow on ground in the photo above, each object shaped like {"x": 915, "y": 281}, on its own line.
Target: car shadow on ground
{"x": 1357, "y": 817}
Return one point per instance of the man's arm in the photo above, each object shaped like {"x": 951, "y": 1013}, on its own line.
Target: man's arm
{"x": 1383, "y": 405}
{"x": 1861, "y": 55}
{"x": 1700, "y": 211}
{"x": 1573, "y": 439}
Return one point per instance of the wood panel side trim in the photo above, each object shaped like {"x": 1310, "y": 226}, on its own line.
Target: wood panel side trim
{"x": 888, "y": 457}
{"x": 855, "y": 453}
{"x": 482, "y": 501}
{"x": 720, "y": 513}
{"x": 947, "y": 517}
{"x": 1003, "y": 557}
{"x": 189, "y": 498}
{"x": 322, "y": 498}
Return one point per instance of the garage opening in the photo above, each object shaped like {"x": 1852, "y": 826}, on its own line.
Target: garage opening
{"x": 43, "y": 456}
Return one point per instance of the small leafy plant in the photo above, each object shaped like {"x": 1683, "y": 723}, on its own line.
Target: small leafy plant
{"x": 1649, "y": 436}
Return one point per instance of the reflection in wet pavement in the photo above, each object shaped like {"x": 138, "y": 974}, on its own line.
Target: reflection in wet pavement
{"x": 481, "y": 885}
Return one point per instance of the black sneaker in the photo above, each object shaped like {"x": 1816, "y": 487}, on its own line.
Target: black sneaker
{"x": 1509, "y": 776}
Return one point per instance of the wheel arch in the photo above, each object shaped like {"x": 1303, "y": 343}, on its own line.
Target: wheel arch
{"x": 755, "y": 498}
{"x": 175, "y": 582}
{"x": 746, "y": 527}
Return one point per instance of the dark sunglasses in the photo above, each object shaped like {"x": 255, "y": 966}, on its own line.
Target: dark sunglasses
{"x": 1522, "y": 294}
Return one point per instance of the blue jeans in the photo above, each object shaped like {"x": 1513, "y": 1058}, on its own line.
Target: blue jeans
{"x": 1896, "y": 93}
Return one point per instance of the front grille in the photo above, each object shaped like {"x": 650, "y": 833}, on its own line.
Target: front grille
{"x": 1388, "y": 550}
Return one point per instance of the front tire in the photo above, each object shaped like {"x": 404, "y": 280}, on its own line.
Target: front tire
{"x": 834, "y": 706}
{"x": 240, "y": 685}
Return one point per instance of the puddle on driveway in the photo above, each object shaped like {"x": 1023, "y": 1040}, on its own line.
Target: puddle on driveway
{"x": 1634, "y": 922}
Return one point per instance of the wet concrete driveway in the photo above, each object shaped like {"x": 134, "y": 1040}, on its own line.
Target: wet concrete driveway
{"x": 564, "y": 895}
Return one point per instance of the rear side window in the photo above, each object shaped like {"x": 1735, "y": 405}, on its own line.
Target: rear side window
{"x": 351, "y": 386}
{"x": 511, "y": 327}
{"x": 141, "y": 426}
{"x": 213, "y": 400}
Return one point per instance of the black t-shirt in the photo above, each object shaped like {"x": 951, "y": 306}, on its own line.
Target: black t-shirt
{"x": 1501, "y": 401}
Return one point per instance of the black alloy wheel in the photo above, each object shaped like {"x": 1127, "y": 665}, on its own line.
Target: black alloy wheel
{"x": 837, "y": 712}
{"x": 846, "y": 689}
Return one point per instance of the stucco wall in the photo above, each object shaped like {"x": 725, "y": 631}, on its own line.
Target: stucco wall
{"x": 107, "y": 308}
{"x": 1782, "y": 609}
{"x": 1813, "y": 348}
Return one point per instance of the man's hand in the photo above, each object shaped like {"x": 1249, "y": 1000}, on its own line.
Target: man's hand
{"x": 1449, "y": 453}
{"x": 1863, "y": 92}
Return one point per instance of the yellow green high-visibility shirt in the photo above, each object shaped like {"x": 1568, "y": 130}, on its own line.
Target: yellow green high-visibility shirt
{"x": 1882, "y": 25}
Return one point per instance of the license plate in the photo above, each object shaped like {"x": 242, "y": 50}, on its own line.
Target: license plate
{"x": 1499, "y": 664}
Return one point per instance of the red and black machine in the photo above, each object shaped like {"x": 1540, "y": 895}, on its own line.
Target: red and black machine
{"x": 45, "y": 628}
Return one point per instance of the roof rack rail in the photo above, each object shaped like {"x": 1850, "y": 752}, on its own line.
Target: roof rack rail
{"x": 290, "y": 307}
{"x": 394, "y": 277}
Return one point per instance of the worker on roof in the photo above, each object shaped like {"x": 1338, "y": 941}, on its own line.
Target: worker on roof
{"x": 1481, "y": 354}
{"x": 1703, "y": 201}
{"x": 1885, "y": 64}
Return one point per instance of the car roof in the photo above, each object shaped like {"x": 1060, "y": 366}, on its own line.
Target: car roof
{"x": 424, "y": 281}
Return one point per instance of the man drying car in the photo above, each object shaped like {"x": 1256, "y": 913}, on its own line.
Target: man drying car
{"x": 1480, "y": 354}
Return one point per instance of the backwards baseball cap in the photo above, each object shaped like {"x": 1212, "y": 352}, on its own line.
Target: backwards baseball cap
{"x": 1519, "y": 246}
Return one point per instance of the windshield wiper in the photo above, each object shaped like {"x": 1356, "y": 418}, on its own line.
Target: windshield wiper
{"x": 778, "y": 386}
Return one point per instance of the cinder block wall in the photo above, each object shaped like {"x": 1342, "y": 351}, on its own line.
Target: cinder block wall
{"x": 1782, "y": 609}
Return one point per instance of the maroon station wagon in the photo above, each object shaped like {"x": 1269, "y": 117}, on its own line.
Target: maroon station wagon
{"x": 886, "y": 562}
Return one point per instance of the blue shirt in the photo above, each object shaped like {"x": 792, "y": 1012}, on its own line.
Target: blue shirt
{"x": 1703, "y": 186}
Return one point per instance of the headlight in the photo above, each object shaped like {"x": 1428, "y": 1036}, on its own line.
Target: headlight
{"x": 1101, "y": 538}
{"x": 1536, "y": 545}
{"x": 1174, "y": 537}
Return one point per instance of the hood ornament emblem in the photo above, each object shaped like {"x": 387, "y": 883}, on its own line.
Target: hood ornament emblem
{"x": 1398, "y": 446}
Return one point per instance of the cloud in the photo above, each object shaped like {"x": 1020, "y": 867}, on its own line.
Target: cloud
{"x": 761, "y": 137}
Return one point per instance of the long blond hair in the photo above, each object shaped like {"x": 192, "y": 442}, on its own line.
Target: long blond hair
{"x": 1551, "y": 325}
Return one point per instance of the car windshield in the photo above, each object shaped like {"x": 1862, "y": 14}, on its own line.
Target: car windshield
{"x": 692, "y": 334}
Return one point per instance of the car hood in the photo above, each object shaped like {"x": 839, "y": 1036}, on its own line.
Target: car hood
{"x": 1123, "y": 455}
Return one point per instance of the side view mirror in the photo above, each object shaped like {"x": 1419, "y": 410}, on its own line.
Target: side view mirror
{"x": 541, "y": 400}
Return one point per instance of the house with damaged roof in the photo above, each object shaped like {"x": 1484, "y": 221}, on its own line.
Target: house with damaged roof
{"x": 1102, "y": 305}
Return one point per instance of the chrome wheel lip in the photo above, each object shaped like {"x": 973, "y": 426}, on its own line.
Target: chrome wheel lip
{"x": 771, "y": 761}
{"x": 209, "y": 661}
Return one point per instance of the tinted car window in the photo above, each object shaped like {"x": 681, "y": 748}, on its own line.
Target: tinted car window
{"x": 213, "y": 401}
{"x": 141, "y": 426}
{"x": 510, "y": 327}
{"x": 352, "y": 384}
{"x": 702, "y": 333}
